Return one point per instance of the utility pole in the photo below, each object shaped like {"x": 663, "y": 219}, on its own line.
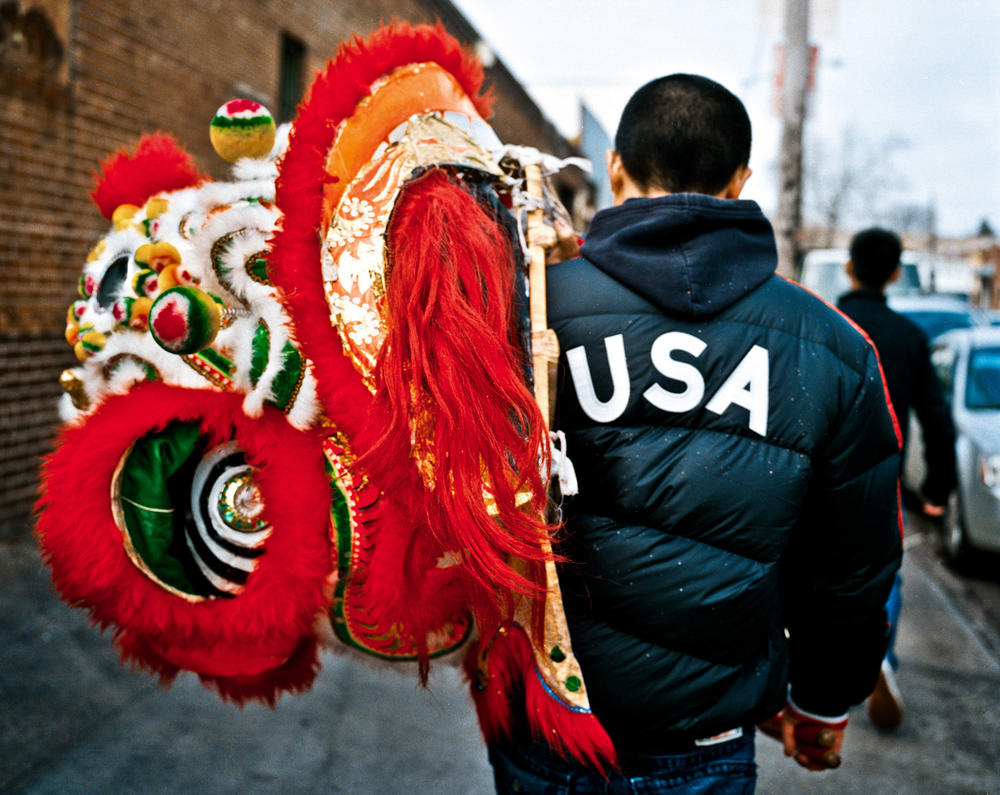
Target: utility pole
{"x": 794, "y": 86}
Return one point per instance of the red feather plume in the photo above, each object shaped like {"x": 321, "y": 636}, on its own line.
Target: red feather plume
{"x": 158, "y": 164}
{"x": 449, "y": 368}
{"x": 511, "y": 676}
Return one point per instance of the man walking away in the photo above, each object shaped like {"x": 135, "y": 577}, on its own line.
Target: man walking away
{"x": 736, "y": 531}
{"x": 902, "y": 347}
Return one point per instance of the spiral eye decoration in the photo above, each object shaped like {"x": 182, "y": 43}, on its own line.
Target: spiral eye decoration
{"x": 191, "y": 515}
{"x": 227, "y": 534}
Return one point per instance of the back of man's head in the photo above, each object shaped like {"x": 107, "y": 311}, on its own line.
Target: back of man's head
{"x": 875, "y": 255}
{"x": 683, "y": 134}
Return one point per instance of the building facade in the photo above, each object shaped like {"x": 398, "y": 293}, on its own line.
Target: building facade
{"x": 80, "y": 79}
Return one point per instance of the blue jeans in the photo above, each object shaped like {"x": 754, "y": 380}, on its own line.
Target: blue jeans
{"x": 894, "y": 607}
{"x": 724, "y": 769}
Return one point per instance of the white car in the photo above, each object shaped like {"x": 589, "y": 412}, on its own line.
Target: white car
{"x": 939, "y": 313}
{"x": 968, "y": 363}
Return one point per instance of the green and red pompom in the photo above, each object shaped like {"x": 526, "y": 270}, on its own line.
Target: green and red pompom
{"x": 88, "y": 342}
{"x": 144, "y": 283}
{"x": 87, "y": 285}
{"x": 185, "y": 320}
{"x": 242, "y": 128}
{"x": 132, "y": 312}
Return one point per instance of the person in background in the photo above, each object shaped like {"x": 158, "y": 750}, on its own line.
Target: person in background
{"x": 736, "y": 531}
{"x": 903, "y": 350}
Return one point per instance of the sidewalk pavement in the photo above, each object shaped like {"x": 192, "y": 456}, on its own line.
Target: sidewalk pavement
{"x": 949, "y": 741}
{"x": 73, "y": 721}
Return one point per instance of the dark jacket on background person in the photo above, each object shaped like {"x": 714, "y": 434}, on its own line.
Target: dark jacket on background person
{"x": 737, "y": 465}
{"x": 902, "y": 346}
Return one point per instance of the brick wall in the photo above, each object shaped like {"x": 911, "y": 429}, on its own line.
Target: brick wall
{"x": 81, "y": 78}
{"x": 29, "y": 384}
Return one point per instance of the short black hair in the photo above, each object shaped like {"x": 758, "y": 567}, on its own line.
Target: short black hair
{"x": 875, "y": 253}
{"x": 683, "y": 134}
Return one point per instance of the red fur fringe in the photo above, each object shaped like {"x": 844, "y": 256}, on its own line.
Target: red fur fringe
{"x": 295, "y": 675}
{"x": 295, "y": 258}
{"x": 512, "y": 676}
{"x": 159, "y": 164}
{"x": 265, "y": 626}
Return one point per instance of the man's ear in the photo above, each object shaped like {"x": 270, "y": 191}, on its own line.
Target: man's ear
{"x": 736, "y": 183}
{"x": 849, "y": 269}
{"x": 616, "y": 173}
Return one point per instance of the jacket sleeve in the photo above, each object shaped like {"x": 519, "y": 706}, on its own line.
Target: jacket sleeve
{"x": 845, "y": 551}
{"x": 937, "y": 429}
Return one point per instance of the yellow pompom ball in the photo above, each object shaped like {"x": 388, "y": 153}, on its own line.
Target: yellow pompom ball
{"x": 98, "y": 250}
{"x": 89, "y": 343}
{"x": 242, "y": 128}
{"x": 122, "y": 216}
{"x": 156, "y": 207}
{"x": 157, "y": 256}
{"x": 138, "y": 315}
{"x": 168, "y": 278}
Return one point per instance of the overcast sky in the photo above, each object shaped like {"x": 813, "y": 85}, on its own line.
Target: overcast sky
{"x": 924, "y": 71}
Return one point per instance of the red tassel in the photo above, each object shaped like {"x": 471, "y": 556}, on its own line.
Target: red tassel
{"x": 511, "y": 675}
{"x": 159, "y": 164}
{"x": 396, "y": 583}
{"x": 496, "y": 671}
{"x": 500, "y": 443}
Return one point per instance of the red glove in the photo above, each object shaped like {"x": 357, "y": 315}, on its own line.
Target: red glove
{"x": 814, "y": 740}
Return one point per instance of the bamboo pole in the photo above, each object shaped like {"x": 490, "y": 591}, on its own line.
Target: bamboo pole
{"x": 544, "y": 344}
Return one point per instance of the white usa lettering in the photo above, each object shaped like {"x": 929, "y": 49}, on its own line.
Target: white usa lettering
{"x": 606, "y": 411}
{"x": 746, "y": 386}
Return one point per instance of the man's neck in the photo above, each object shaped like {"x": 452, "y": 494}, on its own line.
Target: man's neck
{"x": 630, "y": 190}
{"x": 856, "y": 285}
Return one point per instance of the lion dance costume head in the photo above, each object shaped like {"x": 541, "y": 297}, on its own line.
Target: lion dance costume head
{"x": 303, "y": 410}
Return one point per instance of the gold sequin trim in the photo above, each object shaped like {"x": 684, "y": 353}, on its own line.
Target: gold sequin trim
{"x": 207, "y": 371}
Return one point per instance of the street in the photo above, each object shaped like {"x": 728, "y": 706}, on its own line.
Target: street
{"x": 74, "y": 721}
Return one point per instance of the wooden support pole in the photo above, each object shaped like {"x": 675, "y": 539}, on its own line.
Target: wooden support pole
{"x": 544, "y": 344}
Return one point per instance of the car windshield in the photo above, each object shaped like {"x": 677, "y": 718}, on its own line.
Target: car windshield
{"x": 908, "y": 282}
{"x": 982, "y": 389}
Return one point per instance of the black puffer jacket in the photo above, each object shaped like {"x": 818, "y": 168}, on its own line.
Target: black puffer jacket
{"x": 912, "y": 382}
{"x": 737, "y": 467}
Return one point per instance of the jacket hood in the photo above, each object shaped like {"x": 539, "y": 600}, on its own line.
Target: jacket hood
{"x": 691, "y": 255}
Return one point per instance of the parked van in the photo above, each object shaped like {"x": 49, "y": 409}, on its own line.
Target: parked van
{"x": 823, "y": 273}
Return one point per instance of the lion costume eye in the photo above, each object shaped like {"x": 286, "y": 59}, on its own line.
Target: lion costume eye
{"x": 112, "y": 281}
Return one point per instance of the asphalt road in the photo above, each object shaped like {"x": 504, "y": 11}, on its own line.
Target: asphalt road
{"x": 73, "y": 721}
